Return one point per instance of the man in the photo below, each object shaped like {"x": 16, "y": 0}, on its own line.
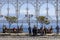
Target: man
{"x": 57, "y": 29}
{"x": 34, "y": 31}
{"x": 29, "y": 28}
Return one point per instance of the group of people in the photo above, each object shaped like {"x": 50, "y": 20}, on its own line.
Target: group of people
{"x": 43, "y": 30}
{"x": 13, "y": 30}
{"x": 34, "y": 30}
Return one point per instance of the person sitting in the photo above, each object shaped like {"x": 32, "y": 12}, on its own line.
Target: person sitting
{"x": 51, "y": 29}
{"x": 44, "y": 30}
{"x": 14, "y": 30}
{"x": 40, "y": 31}
{"x": 21, "y": 29}
{"x": 4, "y": 28}
{"x": 18, "y": 29}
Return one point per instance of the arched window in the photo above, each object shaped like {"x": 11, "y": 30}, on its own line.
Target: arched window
{"x": 51, "y": 12}
{"x": 23, "y": 12}
{"x": 11, "y": 10}
{"x": 4, "y": 12}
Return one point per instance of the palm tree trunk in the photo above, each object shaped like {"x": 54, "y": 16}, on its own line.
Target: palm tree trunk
{"x": 42, "y": 25}
{"x": 9, "y": 26}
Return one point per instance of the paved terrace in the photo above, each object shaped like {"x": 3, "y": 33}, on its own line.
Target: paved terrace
{"x": 24, "y": 36}
{"x": 29, "y": 37}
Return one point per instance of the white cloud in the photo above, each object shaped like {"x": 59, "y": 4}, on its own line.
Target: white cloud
{"x": 29, "y": 11}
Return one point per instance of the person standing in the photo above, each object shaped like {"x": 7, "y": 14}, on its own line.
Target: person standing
{"x": 29, "y": 29}
{"x": 34, "y": 31}
{"x": 57, "y": 29}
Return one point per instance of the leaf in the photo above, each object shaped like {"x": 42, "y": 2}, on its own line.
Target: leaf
{"x": 43, "y": 19}
{"x": 11, "y": 19}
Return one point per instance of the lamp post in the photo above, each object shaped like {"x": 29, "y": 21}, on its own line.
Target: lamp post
{"x": 28, "y": 16}
{"x": 28, "y": 20}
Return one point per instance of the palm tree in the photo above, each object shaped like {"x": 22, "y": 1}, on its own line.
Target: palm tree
{"x": 43, "y": 20}
{"x": 11, "y": 20}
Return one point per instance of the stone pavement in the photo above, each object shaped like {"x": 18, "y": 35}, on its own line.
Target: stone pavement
{"x": 29, "y": 37}
{"x": 24, "y": 36}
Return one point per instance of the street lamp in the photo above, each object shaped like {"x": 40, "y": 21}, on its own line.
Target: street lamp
{"x": 28, "y": 16}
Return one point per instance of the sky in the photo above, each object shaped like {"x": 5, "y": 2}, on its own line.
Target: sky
{"x": 43, "y": 11}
